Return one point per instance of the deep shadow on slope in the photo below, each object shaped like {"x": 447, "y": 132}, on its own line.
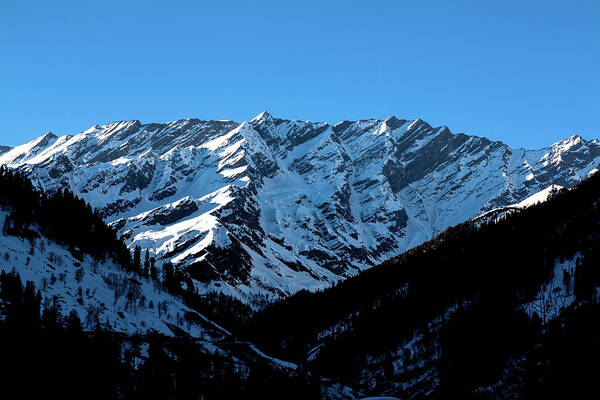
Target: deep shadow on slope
{"x": 47, "y": 354}
{"x": 470, "y": 283}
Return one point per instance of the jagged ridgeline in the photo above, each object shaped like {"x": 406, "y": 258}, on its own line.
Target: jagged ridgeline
{"x": 267, "y": 207}
{"x": 503, "y": 309}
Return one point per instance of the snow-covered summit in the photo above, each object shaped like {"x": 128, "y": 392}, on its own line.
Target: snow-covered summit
{"x": 272, "y": 206}
{"x": 16, "y": 155}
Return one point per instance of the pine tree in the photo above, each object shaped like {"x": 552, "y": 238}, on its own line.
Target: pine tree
{"x": 137, "y": 255}
{"x": 146, "y": 264}
{"x": 74, "y": 323}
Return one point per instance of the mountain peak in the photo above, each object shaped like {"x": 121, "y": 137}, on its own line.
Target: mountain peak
{"x": 576, "y": 138}
{"x": 417, "y": 123}
{"x": 393, "y": 123}
{"x": 262, "y": 117}
{"x": 568, "y": 143}
{"x": 42, "y": 140}
{"x": 92, "y": 129}
{"x": 123, "y": 123}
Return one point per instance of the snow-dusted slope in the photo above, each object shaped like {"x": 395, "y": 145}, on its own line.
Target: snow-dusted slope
{"x": 272, "y": 206}
{"x": 499, "y": 213}
{"x": 100, "y": 291}
{"x": 105, "y": 296}
{"x": 539, "y": 197}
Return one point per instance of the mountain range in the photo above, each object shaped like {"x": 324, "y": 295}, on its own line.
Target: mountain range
{"x": 262, "y": 209}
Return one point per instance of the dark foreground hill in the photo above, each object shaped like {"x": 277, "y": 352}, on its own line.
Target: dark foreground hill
{"x": 80, "y": 317}
{"x": 501, "y": 309}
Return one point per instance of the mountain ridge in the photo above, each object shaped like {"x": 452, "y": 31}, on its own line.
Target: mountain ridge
{"x": 266, "y": 207}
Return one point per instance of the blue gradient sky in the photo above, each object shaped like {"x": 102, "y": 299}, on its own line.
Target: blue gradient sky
{"x": 526, "y": 73}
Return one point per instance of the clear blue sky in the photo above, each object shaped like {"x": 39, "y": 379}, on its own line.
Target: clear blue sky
{"x": 525, "y": 72}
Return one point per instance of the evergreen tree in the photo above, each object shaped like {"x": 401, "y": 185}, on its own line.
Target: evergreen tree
{"x": 137, "y": 259}
{"x": 146, "y": 264}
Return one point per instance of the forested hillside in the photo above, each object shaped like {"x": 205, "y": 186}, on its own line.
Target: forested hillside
{"x": 62, "y": 217}
{"x": 502, "y": 307}
{"x": 468, "y": 314}
{"x": 46, "y": 353}
{"x": 70, "y": 222}
{"x": 92, "y": 321}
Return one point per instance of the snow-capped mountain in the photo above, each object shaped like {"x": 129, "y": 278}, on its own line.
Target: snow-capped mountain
{"x": 272, "y": 206}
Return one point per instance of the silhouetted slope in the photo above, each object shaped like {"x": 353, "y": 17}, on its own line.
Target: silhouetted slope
{"x": 80, "y": 317}
{"x": 461, "y": 299}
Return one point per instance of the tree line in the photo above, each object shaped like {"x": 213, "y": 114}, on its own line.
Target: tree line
{"x": 71, "y": 222}
{"x": 474, "y": 281}
{"x": 47, "y": 354}
{"x": 50, "y": 353}
{"x": 60, "y": 216}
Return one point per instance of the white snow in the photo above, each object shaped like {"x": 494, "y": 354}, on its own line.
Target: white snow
{"x": 103, "y": 287}
{"x": 101, "y": 292}
{"x": 557, "y": 294}
{"x": 327, "y": 192}
{"x": 539, "y": 197}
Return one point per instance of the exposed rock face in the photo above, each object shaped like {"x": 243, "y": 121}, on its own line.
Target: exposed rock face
{"x": 272, "y": 206}
{"x": 4, "y": 149}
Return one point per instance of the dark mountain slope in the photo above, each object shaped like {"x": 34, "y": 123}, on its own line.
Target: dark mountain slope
{"x": 455, "y": 316}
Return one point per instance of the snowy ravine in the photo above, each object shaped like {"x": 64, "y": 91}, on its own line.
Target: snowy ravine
{"x": 265, "y": 208}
